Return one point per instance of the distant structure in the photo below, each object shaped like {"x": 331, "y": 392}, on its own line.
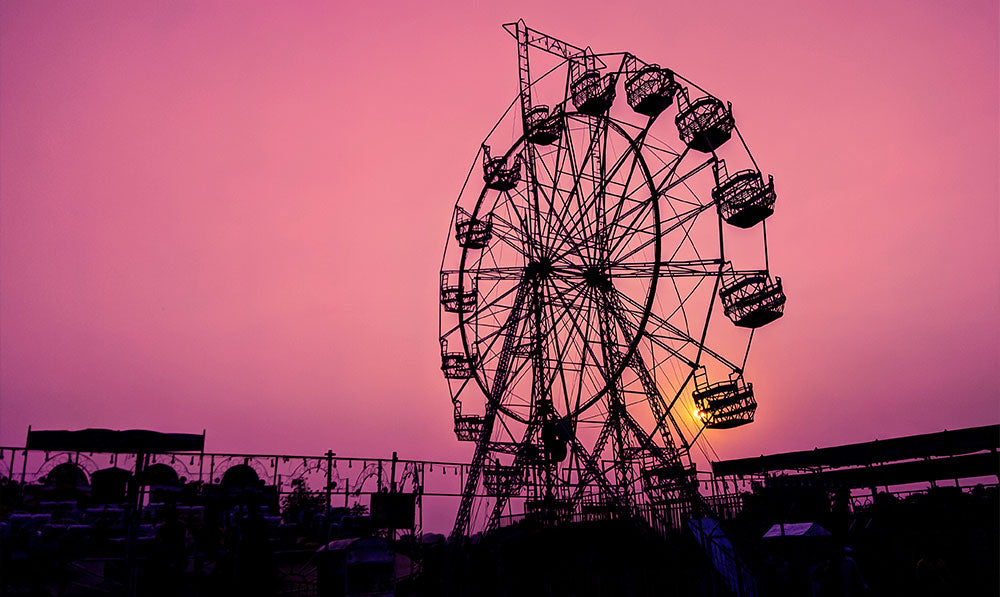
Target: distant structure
{"x": 578, "y": 284}
{"x": 945, "y": 456}
{"x": 96, "y": 509}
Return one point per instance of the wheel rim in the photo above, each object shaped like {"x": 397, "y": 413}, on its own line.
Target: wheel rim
{"x": 585, "y": 230}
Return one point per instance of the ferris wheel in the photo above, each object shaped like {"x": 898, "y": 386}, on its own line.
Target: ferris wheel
{"x": 579, "y": 282}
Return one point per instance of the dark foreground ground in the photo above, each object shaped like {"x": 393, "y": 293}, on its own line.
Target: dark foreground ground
{"x": 942, "y": 542}
{"x": 583, "y": 559}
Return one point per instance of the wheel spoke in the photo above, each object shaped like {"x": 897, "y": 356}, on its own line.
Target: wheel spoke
{"x": 667, "y": 269}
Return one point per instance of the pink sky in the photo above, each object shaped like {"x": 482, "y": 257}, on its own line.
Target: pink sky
{"x": 231, "y": 216}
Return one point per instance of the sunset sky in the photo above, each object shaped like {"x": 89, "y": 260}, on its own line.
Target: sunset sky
{"x": 230, "y": 215}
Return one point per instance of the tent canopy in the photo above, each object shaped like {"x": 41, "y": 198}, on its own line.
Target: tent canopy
{"x": 796, "y": 529}
{"x": 132, "y": 441}
{"x": 366, "y": 550}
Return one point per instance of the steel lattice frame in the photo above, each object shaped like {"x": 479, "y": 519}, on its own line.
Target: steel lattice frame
{"x": 578, "y": 286}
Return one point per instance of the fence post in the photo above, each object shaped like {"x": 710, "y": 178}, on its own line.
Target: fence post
{"x": 329, "y": 482}
{"x": 24, "y": 463}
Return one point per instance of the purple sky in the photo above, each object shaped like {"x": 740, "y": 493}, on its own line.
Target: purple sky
{"x": 231, "y": 216}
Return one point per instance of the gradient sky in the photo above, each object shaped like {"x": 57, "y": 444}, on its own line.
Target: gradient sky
{"x": 231, "y": 215}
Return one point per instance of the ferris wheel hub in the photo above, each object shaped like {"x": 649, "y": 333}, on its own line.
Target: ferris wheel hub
{"x": 597, "y": 277}
{"x": 538, "y": 269}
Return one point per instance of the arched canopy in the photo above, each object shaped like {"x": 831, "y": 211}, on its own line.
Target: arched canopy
{"x": 109, "y": 485}
{"x": 240, "y": 475}
{"x": 66, "y": 475}
{"x": 160, "y": 474}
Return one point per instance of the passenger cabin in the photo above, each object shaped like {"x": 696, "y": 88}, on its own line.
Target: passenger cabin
{"x": 501, "y": 480}
{"x": 541, "y": 128}
{"x": 705, "y": 123}
{"x": 650, "y": 89}
{"x": 743, "y": 198}
{"x": 594, "y": 93}
{"x": 497, "y": 176}
{"x": 467, "y": 427}
{"x": 470, "y": 232}
{"x": 456, "y": 365}
{"x": 595, "y": 507}
{"x": 455, "y": 298}
{"x": 548, "y": 511}
{"x": 669, "y": 478}
{"x": 750, "y": 299}
{"x": 724, "y": 404}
